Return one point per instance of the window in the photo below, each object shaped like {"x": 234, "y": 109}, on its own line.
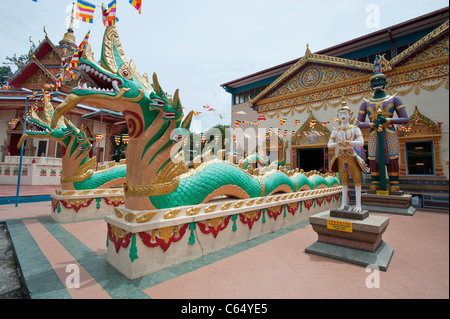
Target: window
{"x": 59, "y": 150}
{"x": 419, "y": 157}
{"x": 371, "y": 58}
{"x": 242, "y": 97}
{"x": 42, "y": 148}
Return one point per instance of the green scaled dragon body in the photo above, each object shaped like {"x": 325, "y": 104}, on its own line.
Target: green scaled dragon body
{"x": 78, "y": 170}
{"x": 157, "y": 176}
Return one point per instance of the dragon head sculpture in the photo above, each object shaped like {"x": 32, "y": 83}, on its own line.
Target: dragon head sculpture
{"x": 75, "y": 145}
{"x": 154, "y": 119}
{"x": 116, "y": 84}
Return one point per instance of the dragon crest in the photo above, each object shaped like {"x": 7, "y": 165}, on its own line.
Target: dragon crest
{"x": 78, "y": 170}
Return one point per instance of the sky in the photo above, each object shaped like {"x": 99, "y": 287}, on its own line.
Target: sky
{"x": 197, "y": 45}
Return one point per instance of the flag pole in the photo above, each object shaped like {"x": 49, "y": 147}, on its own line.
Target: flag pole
{"x": 24, "y": 128}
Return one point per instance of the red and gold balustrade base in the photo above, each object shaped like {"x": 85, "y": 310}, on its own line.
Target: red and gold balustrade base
{"x": 143, "y": 242}
{"x": 73, "y": 205}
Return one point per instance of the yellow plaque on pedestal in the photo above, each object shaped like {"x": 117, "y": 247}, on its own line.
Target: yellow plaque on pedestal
{"x": 382, "y": 192}
{"x": 340, "y": 225}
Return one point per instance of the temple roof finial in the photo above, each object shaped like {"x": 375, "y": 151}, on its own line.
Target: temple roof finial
{"x": 307, "y": 52}
{"x": 69, "y": 37}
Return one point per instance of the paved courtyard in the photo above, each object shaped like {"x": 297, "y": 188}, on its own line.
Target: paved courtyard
{"x": 271, "y": 266}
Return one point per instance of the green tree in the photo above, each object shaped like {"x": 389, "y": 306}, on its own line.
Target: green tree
{"x": 5, "y": 74}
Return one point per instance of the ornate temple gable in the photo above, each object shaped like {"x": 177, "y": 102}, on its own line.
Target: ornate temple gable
{"x": 315, "y": 76}
{"x": 419, "y": 126}
{"x": 307, "y": 135}
{"x": 47, "y": 54}
{"x": 436, "y": 51}
{"x": 32, "y": 75}
{"x": 318, "y": 81}
{"x": 423, "y": 66}
{"x": 433, "y": 45}
{"x": 306, "y": 75}
{"x": 37, "y": 79}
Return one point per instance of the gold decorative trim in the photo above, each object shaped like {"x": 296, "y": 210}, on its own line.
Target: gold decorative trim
{"x": 151, "y": 190}
{"x": 238, "y": 204}
{"x": 130, "y": 217}
{"x": 77, "y": 178}
{"x": 172, "y": 213}
{"x": 225, "y": 206}
{"x": 210, "y": 208}
{"x": 118, "y": 212}
{"x": 193, "y": 211}
{"x": 145, "y": 217}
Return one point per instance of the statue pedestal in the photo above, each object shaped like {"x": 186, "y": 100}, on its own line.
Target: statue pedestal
{"x": 351, "y": 237}
{"x": 393, "y": 203}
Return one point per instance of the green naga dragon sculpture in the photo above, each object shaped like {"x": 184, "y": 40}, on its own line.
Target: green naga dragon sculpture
{"x": 78, "y": 170}
{"x": 157, "y": 176}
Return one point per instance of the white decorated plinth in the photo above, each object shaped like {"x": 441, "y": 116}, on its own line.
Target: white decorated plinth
{"x": 143, "y": 242}
{"x": 77, "y": 205}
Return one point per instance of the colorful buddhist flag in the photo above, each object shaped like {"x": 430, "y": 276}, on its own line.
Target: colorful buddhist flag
{"x": 109, "y": 14}
{"x": 282, "y": 121}
{"x": 85, "y": 11}
{"x": 75, "y": 60}
{"x": 99, "y": 137}
{"x": 312, "y": 124}
{"x": 136, "y": 4}
{"x": 208, "y": 108}
{"x": 117, "y": 140}
{"x": 296, "y": 122}
{"x": 237, "y": 123}
{"x": 84, "y": 42}
{"x": 261, "y": 117}
{"x": 68, "y": 69}
{"x": 125, "y": 138}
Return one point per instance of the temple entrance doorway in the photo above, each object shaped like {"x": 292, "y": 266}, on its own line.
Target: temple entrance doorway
{"x": 12, "y": 149}
{"x": 312, "y": 159}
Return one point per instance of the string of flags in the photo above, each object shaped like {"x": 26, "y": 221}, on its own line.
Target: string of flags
{"x": 85, "y": 11}
{"x": 124, "y": 137}
{"x": 208, "y": 108}
{"x": 76, "y": 56}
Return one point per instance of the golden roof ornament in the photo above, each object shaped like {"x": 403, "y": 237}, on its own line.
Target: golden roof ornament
{"x": 307, "y": 52}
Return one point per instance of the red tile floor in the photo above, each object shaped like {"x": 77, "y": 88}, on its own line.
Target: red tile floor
{"x": 278, "y": 268}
